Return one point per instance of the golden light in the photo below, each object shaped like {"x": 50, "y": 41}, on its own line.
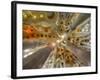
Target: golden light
{"x": 63, "y": 36}
{"x": 25, "y": 16}
{"x": 53, "y": 44}
{"x": 34, "y": 16}
{"x": 58, "y": 41}
{"x": 41, "y": 15}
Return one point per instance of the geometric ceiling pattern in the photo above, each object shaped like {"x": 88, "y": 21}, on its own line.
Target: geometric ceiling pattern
{"x": 56, "y": 39}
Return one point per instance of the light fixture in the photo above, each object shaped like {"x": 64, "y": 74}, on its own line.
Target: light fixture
{"x": 34, "y": 17}
{"x": 53, "y": 44}
{"x": 63, "y": 36}
{"x": 41, "y": 15}
{"x": 58, "y": 41}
